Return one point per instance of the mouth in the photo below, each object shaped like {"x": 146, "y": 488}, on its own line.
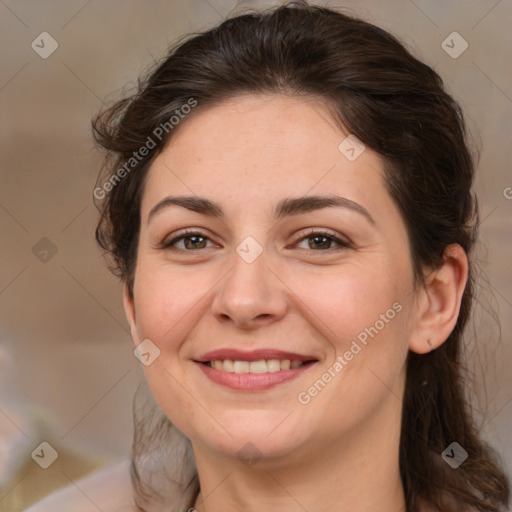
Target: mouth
{"x": 256, "y": 370}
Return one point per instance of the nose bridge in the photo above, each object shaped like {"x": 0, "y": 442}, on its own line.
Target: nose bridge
{"x": 249, "y": 268}
{"x": 250, "y": 291}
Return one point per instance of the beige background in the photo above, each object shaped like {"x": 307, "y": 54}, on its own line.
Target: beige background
{"x": 62, "y": 324}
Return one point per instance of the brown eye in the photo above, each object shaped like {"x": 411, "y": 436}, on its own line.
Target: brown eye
{"x": 190, "y": 241}
{"x": 320, "y": 242}
{"x": 194, "y": 242}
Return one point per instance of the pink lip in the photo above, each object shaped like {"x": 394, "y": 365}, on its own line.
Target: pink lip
{"x": 251, "y": 381}
{"x": 252, "y": 355}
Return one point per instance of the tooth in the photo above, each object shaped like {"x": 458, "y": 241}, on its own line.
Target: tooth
{"x": 228, "y": 366}
{"x": 273, "y": 365}
{"x": 285, "y": 364}
{"x": 258, "y": 366}
{"x": 241, "y": 366}
{"x": 261, "y": 366}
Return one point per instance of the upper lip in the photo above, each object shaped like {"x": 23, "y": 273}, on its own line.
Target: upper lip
{"x": 252, "y": 355}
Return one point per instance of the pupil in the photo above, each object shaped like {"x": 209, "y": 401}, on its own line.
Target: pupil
{"x": 316, "y": 238}
{"x": 191, "y": 242}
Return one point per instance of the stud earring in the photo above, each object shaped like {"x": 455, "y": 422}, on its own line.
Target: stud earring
{"x": 430, "y": 344}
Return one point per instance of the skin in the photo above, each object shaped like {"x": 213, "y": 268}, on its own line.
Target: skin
{"x": 305, "y": 295}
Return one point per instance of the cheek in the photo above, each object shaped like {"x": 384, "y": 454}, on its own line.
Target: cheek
{"x": 166, "y": 301}
{"x": 168, "y": 306}
{"x": 363, "y": 314}
{"x": 345, "y": 302}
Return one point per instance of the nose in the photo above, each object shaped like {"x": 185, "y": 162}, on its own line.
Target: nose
{"x": 250, "y": 295}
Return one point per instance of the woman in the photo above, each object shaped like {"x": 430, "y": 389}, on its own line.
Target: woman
{"x": 287, "y": 199}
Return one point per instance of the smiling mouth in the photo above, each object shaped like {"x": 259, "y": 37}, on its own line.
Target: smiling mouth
{"x": 258, "y": 370}
{"x": 260, "y": 366}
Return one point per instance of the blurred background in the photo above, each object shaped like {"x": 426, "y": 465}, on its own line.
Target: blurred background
{"x": 67, "y": 369}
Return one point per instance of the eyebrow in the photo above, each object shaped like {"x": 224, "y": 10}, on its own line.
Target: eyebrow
{"x": 286, "y": 207}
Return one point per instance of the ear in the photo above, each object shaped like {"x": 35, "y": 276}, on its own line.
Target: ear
{"x": 129, "y": 311}
{"x": 438, "y": 302}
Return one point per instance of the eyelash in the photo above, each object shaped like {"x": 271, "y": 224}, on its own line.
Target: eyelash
{"x": 313, "y": 233}
{"x": 316, "y": 233}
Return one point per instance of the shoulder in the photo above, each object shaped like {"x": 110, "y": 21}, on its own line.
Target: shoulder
{"x": 108, "y": 489}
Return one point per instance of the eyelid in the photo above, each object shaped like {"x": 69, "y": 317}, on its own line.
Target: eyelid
{"x": 168, "y": 241}
{"x": 341, "y": 240}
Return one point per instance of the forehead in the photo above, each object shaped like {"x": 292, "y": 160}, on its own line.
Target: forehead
{"x": 253, "y": 147}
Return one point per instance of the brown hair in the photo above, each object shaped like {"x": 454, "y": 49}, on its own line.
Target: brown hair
{"x": 394, "y": 104}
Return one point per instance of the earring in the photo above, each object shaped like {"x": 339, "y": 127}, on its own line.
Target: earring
{"x": 430, "y": 344}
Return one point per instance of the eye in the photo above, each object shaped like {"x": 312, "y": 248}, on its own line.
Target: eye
{"x": 190, "y": 240}
{"x": 323, "y": 241}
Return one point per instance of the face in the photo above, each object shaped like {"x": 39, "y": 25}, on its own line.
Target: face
{"x": 313, "y": 297}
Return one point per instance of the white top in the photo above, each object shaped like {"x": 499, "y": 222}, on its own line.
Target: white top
{"x": 108, "y": 489}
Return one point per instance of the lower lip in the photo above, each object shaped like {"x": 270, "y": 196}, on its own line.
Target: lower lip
{"x": 252, "y": 381}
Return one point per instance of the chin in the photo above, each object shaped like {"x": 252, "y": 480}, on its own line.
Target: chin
{"x": 258, "y": 435}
